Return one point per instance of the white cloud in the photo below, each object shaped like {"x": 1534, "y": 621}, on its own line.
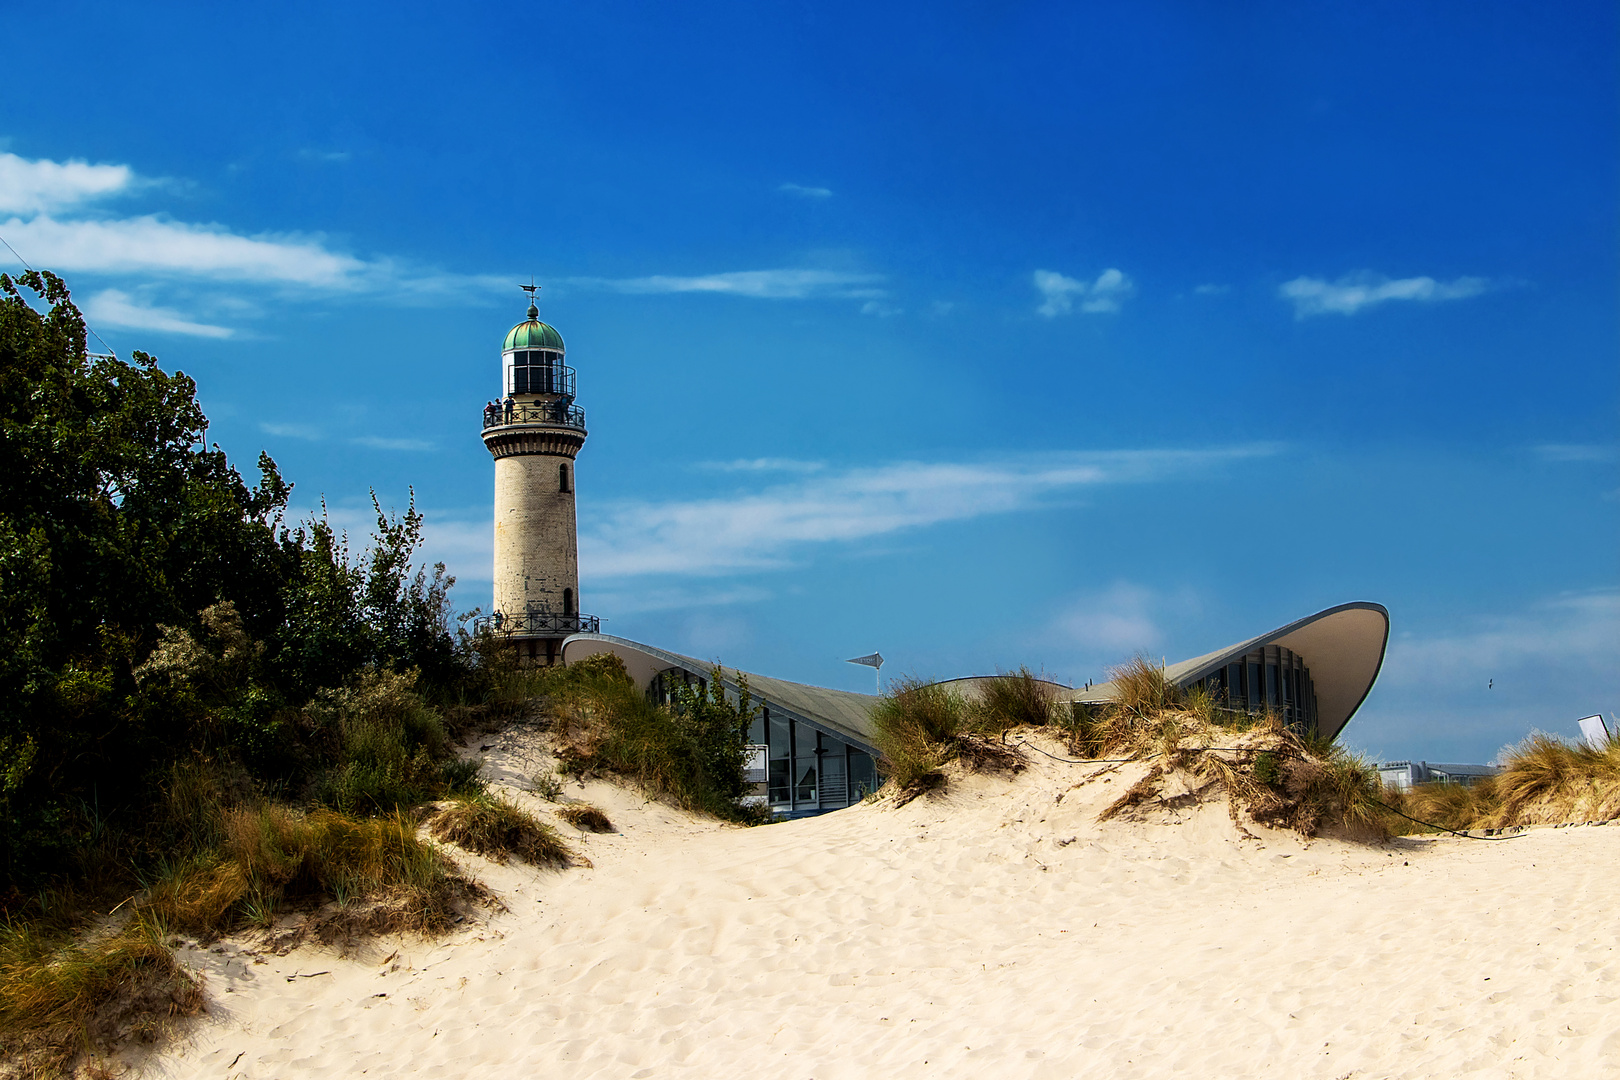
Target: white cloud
{"x": 325, "y": 156}
{"x": 151, "y": 244}
{"x": 1575, "y": 452}
{"x": 1581, "y": 628}
{"x": 39, "y": 187}
{"x": 292, "y": 431}
{"x": 112, "y": 307}
{"x": 765, "y": 465}
{"x": 879, "y": 308}
{"x": 379, "y": 443}
{"x": 630, "y": 601}
{"x": 1111, "y": 289}
{"x": 1120, "y": 621}
{"x": 806, "y": 192}
{"x": 762, "y": 284}
{"x": 1212, "y": 290}
{"x": 762, "y": 529}
{"x": 1314, "y": 296}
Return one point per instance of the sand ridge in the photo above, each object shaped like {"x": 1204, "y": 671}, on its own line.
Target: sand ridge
{"x": 996, "y": 929}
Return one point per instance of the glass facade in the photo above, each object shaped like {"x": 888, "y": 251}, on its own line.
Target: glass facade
{"x": 1270, "y": 677}
{"x": 806, "y": 769}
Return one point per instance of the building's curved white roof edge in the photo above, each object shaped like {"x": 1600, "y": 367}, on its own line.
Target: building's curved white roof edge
{"x": 1343, "y": 646}
{"x": 843, "y": 714}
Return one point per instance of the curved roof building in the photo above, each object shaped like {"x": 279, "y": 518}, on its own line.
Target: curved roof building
{"x": 814, "y": 749}
{"x": 1315, "y": 671}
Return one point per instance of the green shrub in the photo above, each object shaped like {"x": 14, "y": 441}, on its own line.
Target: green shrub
{"x": 690, "y": 751}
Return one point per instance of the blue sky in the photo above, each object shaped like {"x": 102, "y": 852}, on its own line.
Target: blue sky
{"x": 980, "y": 334}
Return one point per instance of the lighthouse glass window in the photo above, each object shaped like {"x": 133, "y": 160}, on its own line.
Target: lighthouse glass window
{"x": 534, "y": 372}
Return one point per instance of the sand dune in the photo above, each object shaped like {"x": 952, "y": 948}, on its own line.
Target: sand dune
{"x": 994, "y": 931}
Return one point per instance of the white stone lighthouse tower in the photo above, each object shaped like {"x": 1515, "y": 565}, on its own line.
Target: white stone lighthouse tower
{"x": 534, "y": 432}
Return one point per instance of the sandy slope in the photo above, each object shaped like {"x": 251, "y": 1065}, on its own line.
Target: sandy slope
{"x": 997, "y": 931}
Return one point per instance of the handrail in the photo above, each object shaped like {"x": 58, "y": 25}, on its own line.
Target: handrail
{"x": 558, "y": 413}
{"x": 537, "y": 622}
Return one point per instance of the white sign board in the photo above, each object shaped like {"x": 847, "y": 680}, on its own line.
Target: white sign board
{"x": 1594, "y": 731}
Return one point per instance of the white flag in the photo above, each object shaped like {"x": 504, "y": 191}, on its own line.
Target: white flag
{"x": 873, "y": 661}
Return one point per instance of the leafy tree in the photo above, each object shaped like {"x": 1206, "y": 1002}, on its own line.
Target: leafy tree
{"x": 152, "y": 605}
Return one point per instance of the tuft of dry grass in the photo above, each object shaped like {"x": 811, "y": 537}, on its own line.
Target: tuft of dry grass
{"x": 492, "y": 827}
{"x": 585, "y": 817}
{"x": 61, "y": 994}
{"x": 915, "y": 727}
{"x": 271, "y": 856}
{"x": 1013, "y": 699}
{"x": 1544, "y": 781}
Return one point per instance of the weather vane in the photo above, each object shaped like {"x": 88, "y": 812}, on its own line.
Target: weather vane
{"x": 531, "y": 288}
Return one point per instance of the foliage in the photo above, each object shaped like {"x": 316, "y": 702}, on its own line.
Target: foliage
{"x": 691, "y": 751}
{"x": 153, "y": 607}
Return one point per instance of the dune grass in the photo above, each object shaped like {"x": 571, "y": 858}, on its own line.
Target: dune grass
{"x": 63, "y": 992}
{"x": 493, "y": 827}
{"x": 919, "y": 727}
{"x": 585, "y": 817}
{"x": 271, "y": 858}
{"x": 1544, "y": 781}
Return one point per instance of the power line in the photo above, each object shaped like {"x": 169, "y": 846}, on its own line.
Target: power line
{"x": 87, "y": 325}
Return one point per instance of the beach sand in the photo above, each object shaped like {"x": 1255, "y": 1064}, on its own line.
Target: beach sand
{"x": 994, "y": 931}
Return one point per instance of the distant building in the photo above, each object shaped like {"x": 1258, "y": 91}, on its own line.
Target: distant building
{"x": 812, "y": 748}
{"x": 1405, "y": 775}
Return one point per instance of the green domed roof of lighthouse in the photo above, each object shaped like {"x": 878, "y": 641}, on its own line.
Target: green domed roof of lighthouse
{"x": 533, "y": 334}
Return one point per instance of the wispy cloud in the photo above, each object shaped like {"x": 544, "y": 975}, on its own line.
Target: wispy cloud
{"x": 1120, "y": 621}
{"x": 330, "y": 157}
{"x": 806, "y": 192}
{"x": 1315, "y": 296}
{"x": 112, "y": 307}
{"x": 630, "y": 601}
{"x": 1577, "y": 452}
{"x": 763, "y": 529}
{"x": 292, "y": 431}
{"x": 1210, "y": 289}
{"x": 765, "y": 464}
{"x": 879, "y": 308}
{"x": 785, "y": 284}
{"x": 48, "y": 226}
{"x": 1059, "y": 293}
{"x": 40, "y": 187}
{"x": 377, "y": 442}
{"x": 1516, "y": 651}
{"x": 155, "y": 244}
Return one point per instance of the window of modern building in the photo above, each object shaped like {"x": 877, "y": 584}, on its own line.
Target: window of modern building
{"x": 806, "y": 765}
{"x": 780, "y": 740}
{"x": 863, "y": 779}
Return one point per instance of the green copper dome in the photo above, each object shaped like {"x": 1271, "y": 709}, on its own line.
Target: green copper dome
{"x": 533, "y": 334}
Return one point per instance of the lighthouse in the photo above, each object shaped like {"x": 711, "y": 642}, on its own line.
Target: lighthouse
{"x": 534, "y": 431}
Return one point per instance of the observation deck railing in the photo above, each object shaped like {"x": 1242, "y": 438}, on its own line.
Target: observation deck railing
{"x": 537, "y": 622}
{"x": 558, "y": 413}
{"x": 543, "y": 379}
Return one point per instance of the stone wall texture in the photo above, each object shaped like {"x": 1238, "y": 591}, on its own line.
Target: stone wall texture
{"x": 536, "y": 545}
